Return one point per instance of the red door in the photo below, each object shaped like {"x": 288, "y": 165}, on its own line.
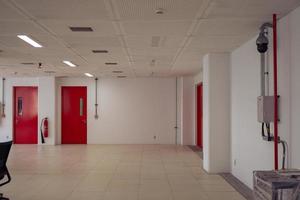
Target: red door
{"x": 73, "y": 115}
{"x": 199, "y": 116}
{"x": 25, "y": 115}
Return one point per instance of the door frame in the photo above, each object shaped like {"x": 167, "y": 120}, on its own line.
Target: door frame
{"x": 196, "y": 114}
{"x": 61, "y": 109}
{"x": 14, "y": 112}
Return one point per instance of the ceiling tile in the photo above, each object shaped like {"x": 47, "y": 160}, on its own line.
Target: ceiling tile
{"x": 14, "y": 28}
{"x": 215, "y": 43}
{"x": 249, "y": 8}
{"x": 8, "y": 12}
{"x": 154, "y": 41}
{"x": 92, "y": 42}
{"x": 65, "y": 9}
{"x": 223, "y": 27}
{"x": 146, "y": 9}
{"x": 146, "y": 58}
{"x": 156, "y": 28}
{"x": 153, "y": 51}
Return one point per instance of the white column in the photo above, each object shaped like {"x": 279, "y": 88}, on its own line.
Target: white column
{"x": 216, "y": 112}
{"x": 47, "y": 106}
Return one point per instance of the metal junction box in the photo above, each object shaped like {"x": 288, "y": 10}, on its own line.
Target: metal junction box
{"x": 265, "y": 109}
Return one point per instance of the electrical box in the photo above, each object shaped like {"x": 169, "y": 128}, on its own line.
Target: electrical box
{"x": 265, "y": 109}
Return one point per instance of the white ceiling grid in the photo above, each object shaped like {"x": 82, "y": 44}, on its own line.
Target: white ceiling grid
{"x": 142, "y": 42}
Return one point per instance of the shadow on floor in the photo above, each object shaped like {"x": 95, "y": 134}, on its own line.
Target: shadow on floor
{"x": 197, "y": 150}
{"x": 239, "y": 186}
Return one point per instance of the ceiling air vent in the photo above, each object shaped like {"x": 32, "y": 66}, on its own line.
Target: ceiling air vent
{"x": 111, "y": 63}
{"x": 28, "y": 63}
{"x": 121, "y": 76}
{"x": 155, "y": 41}
{"x": 50, "y": 72}
{"x": 81, "y": 29}
{"x": 117, "y": 72}
{"x": 99, "y": 51}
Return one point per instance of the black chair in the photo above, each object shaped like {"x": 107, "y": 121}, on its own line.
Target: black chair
{"x": 4, "y": 151}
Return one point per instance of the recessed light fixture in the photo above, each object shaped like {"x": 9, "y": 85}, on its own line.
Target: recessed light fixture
{"x": 99, "y": 51}
{"x": 30, "y": 41}
{"x": 69, "y": 63}
{"x": 88, "y": 74}
{"x": 111, "y": 63}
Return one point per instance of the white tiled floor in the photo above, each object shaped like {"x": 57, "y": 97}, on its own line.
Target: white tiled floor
{"x": 112, "y": 172}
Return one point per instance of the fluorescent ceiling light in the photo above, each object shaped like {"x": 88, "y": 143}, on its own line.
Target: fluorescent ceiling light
{"x": 88, "y": 74}
{"x": 29, "y": 41}
{"x": 69, "y": 63}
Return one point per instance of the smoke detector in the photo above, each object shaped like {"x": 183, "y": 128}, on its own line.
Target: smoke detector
{"x": 159, "y": 11}
{"x": 152, "y": 63}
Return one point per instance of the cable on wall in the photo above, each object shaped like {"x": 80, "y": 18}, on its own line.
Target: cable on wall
{"x": 96, "y": 99}
{"x": 3, "y": 98}
{"x": 176, "y": 110}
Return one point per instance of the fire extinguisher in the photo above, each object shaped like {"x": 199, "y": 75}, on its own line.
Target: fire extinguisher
{"x": 44, "y": 129}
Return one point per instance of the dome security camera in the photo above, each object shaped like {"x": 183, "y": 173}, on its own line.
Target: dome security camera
{"x": 262, "y": 43}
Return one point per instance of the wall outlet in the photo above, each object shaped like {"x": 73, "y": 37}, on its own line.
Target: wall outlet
{"x": 234, "y": 162}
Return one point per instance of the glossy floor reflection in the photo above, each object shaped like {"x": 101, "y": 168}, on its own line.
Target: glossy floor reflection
{"x": 112, "y": 172}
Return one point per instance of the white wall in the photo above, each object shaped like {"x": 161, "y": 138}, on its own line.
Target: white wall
{"x": 131, "y": 111}
{"x": 249, "y": 151}
{"x": 295, "y": 86}
{"x": 188, "y": 110}
{"x": 216, "y": 101}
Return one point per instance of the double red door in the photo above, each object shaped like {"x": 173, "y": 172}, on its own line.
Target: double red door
{"x": 25, "y": 115}
{"x": 199, "y": 115}
{"x": 74, "y": 115}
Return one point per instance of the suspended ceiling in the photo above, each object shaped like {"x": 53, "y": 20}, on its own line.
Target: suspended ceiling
{"x": 141, "y": 42}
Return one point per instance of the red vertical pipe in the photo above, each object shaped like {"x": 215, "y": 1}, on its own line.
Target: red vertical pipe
{"x": 275, "y": 92}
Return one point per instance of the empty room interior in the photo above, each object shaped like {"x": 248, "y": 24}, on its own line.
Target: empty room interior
{"x": 149, "y": 99}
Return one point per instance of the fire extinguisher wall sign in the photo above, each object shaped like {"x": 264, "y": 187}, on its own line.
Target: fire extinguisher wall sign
{"x": 44, "y": 129}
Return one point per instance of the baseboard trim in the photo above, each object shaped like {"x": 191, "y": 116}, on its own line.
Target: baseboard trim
{"x": 239, "y": 186}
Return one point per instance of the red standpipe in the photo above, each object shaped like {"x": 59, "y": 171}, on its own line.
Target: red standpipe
{"x": 275, "y": 93}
